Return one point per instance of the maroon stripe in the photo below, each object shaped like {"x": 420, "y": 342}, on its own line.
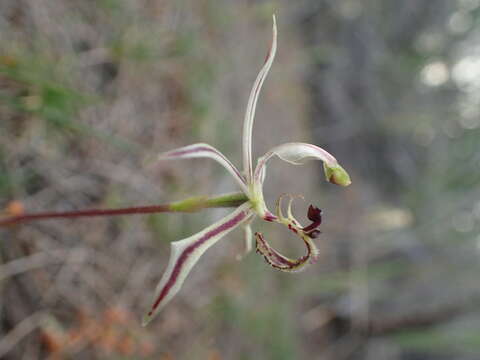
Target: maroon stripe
{"x": 204, "y": 148}
{"x": 186, "y": 253}
{"x": 260, "y": 165}
{"x": 273, "y": 253}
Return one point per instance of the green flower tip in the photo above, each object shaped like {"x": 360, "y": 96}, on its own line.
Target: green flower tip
{"x": 337, "y": 175}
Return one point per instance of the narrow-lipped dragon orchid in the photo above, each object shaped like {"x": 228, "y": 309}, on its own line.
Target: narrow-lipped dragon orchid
{"x": 185, "y": 253}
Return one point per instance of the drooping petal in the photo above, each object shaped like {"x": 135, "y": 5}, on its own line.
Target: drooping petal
{"x": 247, "y": 238}
{"x": 206, "y": 151}
{"x": 247, "y": 233}
{"x": 252, "y": 104}
{"x": 185, "y": 253}
{"x": 299, "y": 153}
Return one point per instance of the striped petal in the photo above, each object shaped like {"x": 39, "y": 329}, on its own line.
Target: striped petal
{"x": 252, "y": 104}
{"x": 299, "y": 153}
{"x": 185, "y": 253}
{"x": 206, "y": 151}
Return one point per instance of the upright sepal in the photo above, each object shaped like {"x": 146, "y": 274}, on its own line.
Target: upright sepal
{"x": 185, "y": 253}
{"x": 252, "y": 104}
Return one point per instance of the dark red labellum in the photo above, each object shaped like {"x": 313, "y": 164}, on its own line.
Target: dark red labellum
{"x": 314, "y": 234}
{"x": 315, "y": 215}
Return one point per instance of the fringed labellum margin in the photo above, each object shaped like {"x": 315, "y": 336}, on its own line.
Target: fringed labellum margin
{"x": 281, "y": 262}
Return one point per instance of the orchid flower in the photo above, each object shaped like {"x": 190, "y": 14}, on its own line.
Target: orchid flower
{"x": 185, "y": 253}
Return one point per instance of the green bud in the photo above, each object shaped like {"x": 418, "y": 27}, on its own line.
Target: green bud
{"x": 336, "y": 175}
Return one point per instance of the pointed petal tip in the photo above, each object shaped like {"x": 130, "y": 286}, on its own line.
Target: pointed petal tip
{"x": 146, "y": 319}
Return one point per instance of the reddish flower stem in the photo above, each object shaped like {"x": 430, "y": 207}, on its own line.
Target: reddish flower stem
{"x": 14, "y": 220}
{"x": 188, "y": 205}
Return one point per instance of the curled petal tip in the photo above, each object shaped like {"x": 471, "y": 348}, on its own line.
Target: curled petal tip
{"x": 299, "y": 153}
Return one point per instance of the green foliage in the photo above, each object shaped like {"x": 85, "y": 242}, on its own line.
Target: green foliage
{"x": 43, "y": 91}
{"x": 439, "y": 340}
{"x": 5, "y": 180}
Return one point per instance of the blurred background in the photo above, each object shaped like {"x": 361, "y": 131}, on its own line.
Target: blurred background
{"x": 90, "y": 91}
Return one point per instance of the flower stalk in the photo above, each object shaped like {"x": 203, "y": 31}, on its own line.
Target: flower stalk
{"x": 188, "y": 205}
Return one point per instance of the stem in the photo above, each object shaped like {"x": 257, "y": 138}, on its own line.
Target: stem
{"x": 188, "y": 205}
{"x": 227, "y": 200}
